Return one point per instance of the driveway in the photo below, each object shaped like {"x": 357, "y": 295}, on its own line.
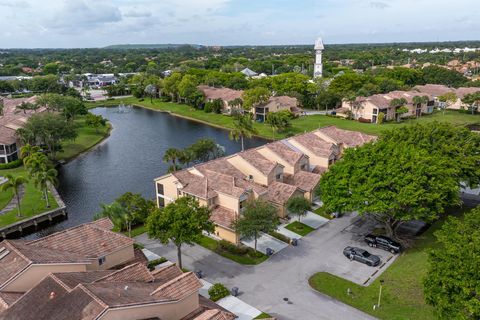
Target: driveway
{"x": 286, "y": 274}
{"x": 312, "y": 220}
{"x": 266, "y": 241}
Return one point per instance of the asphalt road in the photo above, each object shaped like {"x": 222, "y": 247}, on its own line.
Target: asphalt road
{"x": 285, "y": 275}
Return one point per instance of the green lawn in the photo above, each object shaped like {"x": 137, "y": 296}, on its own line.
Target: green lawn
{"x": 31, "y": 204}
{"x": 5, "y": 196}
{"x": 263, "y": 315}
{"x": 299, "y": 125}
{"x": 86, "y": 139}
{"x": 402, "y": 294}
{"x": 321, "y": 212}
{"x": 299, "y": 228}
{"x": 246, "y": 259}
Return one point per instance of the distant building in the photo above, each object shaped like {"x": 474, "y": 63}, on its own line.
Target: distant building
{"x": 275, "y": 104}
{"x": 227, "y": 95}
{"x": 318, "y": 68}
{"x": 11, "y": 120}
{"x": 249, "y": 73}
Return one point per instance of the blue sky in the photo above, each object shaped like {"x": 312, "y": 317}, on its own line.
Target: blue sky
{"x": 97, "y": 23}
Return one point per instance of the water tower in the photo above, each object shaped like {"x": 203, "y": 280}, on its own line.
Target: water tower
{"x": 318, "y": 68}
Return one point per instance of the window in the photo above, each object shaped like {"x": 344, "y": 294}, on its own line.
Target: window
{"x": 161, "y": 202}
{"x": 160, "y": 188}
{"x": 375, "y": 111}
{"x": 101, "y": 260}
{"x": 304, "y": 166}
{"x": 250, "y": 177}
{"x": 279, "y": 176}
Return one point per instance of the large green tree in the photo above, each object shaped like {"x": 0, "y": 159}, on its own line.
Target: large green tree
{"x": 298, "y": 206}
{"x": 391, "y": 181}
{"x": 452, "y": 284}
{"x": 258, "y": 216}
{"x": 180, "y": 222}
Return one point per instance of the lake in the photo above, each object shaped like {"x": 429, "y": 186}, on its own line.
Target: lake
{"x": 129, "y": 159}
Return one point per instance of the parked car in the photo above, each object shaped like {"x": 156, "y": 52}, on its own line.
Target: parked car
{"x": 360, "y": 255}
{"x": 383, "y": 242}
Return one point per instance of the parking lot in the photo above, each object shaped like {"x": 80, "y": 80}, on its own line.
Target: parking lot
{"x": 286, "y": 274}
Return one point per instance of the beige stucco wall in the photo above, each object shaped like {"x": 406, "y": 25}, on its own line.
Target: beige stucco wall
{"x": 114, "y": 259}
{"x": 169, "y": 188}
{"x": 36, "y": 273}
{"x": 167, "y": 311}
{"x": 313, "y": 159}
{"x": 269, "y": 154}
{"x": 227, "y": 201}
{"x": 226, "y": 234}
{"x": 247, "y": 169}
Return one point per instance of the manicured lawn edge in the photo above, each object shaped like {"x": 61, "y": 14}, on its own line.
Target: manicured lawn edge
{"x": 299, "y": 125}
{"x": 299, "y": 228}
{"x": 263, "y": 315}
{"x": 321, "y": 212}
{"x": 212, "y": 245}
{"x": 68, "y": 155}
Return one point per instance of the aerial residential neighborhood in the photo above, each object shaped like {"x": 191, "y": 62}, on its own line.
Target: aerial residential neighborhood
{"x": 223, "y": 159}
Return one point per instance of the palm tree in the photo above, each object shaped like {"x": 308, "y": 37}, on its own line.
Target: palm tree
{"x": 14, "y": 184}
{"x": 173, "y": 155}
{"x": 42, "y": 178}
{"x": 242, "y": 128}
{"x": 36, "y": 162}
{"x": 273, "y": 119}
{"x": 27, "y": 150}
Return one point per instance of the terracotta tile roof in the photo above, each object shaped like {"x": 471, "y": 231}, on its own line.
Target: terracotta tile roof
{"x": 167, "y": 273}
{"x": 104, "y": 223}
{"x": 87, "y": 239}
{"x": 8, "y": 298}
{"x": 225, "y": 94}
{"x": 279, "y": 192}
{"x": 194, "y": 184}
{"x": 319, "y": 170}
{"x": 179, "y": 287}
{"x": 12, "y": 118}
{"x": 282, "y": 103}
{"x": 258, "y": 161}
{"x": 134, "y": 272}
{"x": 13, "y": 263}
{"x": 206, "y": 305}
{"x": 347, "y": 137}
{"x": 315, "y": 144}
{"x": 212, "y": 314}
{"x": 70, "y": 280}
{"x": 304, "y": 180}
{"x": 65, "y": 296}
{"x": 286, "y": 153}
{"x": 462, "y": 92}
{"x": 223, "y": 217}
{"x": 433, "y": 89}
{"x": 221, "y": 165}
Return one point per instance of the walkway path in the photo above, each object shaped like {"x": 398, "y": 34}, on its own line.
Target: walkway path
{"x": 284, "y": 275}
{"x": 13, "y": 203}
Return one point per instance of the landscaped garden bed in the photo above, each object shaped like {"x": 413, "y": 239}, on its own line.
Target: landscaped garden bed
{"x": 299, "y": 228}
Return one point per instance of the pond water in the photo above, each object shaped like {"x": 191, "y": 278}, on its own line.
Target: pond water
{"x": 129, "y": 159}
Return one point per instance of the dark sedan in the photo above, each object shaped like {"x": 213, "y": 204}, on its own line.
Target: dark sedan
{"x": 362, "y": 256}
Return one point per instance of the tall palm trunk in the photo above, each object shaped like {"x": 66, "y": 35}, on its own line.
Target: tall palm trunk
{"x": 179, "y": 255}
{"x": 45, "y": 194}
{"x": 19, "y": 211}
{"x": 241, "y": 139}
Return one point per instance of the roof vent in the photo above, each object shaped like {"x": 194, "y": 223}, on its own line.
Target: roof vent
{"x": 126, "y": 288}
{"x": 4, "y": 253}
{"x": 52, "y": 295}
{"x": 103, "y": 244}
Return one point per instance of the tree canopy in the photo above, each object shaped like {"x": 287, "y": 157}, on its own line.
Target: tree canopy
{"x": 453, "y": 278}
{"x": 181, "y": 222}
{"x": 411, "y": 173}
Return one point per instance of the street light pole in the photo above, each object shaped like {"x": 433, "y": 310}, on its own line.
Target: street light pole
{"x": 380, "y": 293}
